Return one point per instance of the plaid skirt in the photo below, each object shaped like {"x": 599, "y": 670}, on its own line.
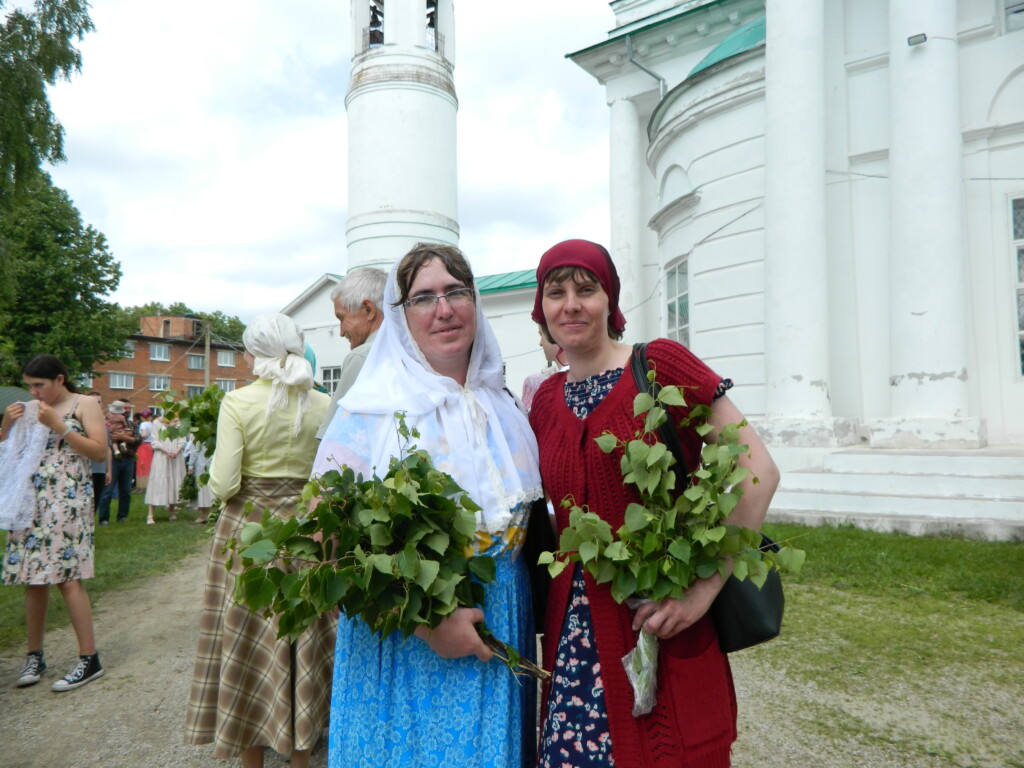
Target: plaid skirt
{"x": 250, "y": 689}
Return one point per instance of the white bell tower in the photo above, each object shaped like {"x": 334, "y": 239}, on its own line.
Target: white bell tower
{"x": 401, "y": 107}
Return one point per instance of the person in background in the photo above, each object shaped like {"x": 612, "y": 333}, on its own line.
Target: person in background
{"x": 46, "y": 506}
{"x": 555, "y": 361}
{"x": 357, "y": 304}
{"x": 251, "y": 689}
{"x": 122, "y": 472}
{"x": 118, "y": 429}
{"x": 167, "y": 472}
{"x": 588, "y": 707}
{"x": 144, "y": 454}
{"x": 196, "y": 463}
{"x": 101, "y": 470}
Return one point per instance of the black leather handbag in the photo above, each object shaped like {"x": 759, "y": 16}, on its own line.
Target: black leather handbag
{"x": 743, "y": 614}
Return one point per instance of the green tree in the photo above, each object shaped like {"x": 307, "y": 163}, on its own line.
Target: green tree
{"x": 36, "y": 49}
{"x": 61, "y": 271}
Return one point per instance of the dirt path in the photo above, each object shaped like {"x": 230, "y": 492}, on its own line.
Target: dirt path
{"x": 132, "y": 718}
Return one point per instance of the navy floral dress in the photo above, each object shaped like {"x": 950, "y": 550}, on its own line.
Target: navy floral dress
{"x": 576, "y": 727}
{"x": 58, "y": 547}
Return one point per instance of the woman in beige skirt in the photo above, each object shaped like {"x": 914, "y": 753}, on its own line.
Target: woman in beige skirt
{"x": 249, "y": 689}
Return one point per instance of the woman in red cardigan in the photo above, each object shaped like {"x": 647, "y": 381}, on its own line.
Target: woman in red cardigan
{"x": 588, "y": 717}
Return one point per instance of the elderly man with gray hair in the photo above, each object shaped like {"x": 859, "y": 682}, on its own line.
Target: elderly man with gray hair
{"x": 357, "y": 304}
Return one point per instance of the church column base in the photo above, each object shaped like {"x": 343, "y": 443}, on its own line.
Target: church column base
{"x": 924, "y": 432}
{"x": 809, "y": 432}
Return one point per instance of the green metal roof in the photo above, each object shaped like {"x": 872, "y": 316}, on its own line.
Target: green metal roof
{"x": 507, "y": 281}
{"x": 746, "y": 38}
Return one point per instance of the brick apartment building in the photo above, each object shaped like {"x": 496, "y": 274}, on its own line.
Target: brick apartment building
{"x": 169, "y": 352}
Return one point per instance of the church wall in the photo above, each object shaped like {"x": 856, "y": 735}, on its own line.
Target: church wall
{"x": 718, "y": 142}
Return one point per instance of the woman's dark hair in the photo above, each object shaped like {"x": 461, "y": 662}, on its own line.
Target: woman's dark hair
{"x": 578, "y": 275}
{"x": 48, "y": 367}
{"x": 422, "y": 254}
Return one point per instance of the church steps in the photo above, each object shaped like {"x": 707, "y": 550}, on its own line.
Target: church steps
{"x": 975, "y": 493}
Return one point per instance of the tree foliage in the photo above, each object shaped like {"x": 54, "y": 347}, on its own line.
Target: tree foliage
{"x": 36, "y": 49}
{"x": 59, "y": 272}
{"x": 223, "y": 327}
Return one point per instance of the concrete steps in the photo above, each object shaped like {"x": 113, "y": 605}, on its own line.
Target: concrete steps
{"x": 977, "y": 493}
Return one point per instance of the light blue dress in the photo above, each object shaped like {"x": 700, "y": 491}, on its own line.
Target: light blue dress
{"x": 397, "y": 703}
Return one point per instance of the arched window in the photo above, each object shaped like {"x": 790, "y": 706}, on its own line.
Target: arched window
{"x": 376, "y": 28}
{"x": 432, "y": 24}
{"x": 677, "y": 299}
{"x": 1018, "y": 247}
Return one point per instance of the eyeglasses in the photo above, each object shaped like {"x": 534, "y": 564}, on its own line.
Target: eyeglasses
{"x": 457, "y": 297}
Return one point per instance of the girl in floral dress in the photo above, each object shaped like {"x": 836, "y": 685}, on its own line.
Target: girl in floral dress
{"x": 46, "y": 505}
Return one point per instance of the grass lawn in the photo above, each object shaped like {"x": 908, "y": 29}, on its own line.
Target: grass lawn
{"x": 126, "y": 554}
{"x": 912, "y": 643}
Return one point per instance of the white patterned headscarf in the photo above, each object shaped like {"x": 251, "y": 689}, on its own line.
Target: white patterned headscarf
{"x": 276, "y": 343}
{"x": 478, "y": 433}
{"x": 20, "y": 456}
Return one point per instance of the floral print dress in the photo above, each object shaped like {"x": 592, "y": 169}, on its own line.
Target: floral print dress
{"x": 58, "y": 547}
{"x": 576, "y": 730}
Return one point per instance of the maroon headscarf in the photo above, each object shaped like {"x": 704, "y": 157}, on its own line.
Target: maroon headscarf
{"x": 591, "y": 257}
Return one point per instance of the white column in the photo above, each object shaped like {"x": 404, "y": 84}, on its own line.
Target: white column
{"x": 628, "y": 142}
{"x": 796, "y": 279}
{"x": 402, "y": 108}
{"x": 927, "y": 295}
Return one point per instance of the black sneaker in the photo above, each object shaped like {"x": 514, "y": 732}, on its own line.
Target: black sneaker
{"x": 86, "y": 669}
{"x": 34, "y": 668}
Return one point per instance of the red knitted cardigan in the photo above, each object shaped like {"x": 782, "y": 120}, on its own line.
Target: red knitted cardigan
{"x": 693, "y": 724}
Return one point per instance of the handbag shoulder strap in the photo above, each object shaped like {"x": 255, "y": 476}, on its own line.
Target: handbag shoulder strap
{"x": 666, "y": 432}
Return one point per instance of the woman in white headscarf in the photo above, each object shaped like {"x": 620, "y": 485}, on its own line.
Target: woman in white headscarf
{"x": 249, "y": 689}
{"x": 432, "y": 699}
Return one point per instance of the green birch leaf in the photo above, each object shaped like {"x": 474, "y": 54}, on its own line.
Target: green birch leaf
{"x": 606, "y": 442}
{"x": 261, "y": 552}
{"x": 428, "y": 573}
{"x": 636, "y": 517}
{"x": 642, "y": 403}
{"x": 671, "y": 395}
{"x": 588, "y": 551}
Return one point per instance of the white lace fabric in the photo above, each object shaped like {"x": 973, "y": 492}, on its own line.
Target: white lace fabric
{"x": 20, "y": 456}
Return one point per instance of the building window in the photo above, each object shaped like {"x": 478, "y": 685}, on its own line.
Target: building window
{"x": 432, "y": 25}
{"x": 227, "y": 385}
{"x": 193, "y": 390}
{"x": 1014, "y": 15}
{"x": 196, "y": 362}
{"x": 677, "y": 298}
{"x": 122, "y": 380}
{"x": 375, "y": 32}
{"x": 84, "y": 381}
{"x": 129, "y": 350}
{"x": 159, "y": 383}
{"x": 226, "y": 358}
{"x": 331, "y": 377}
{"x": 1018, "y": 249}
{"x": 161, "y": 352}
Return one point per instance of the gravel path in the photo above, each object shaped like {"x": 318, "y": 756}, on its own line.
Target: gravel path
{"x": 133, "y": 716}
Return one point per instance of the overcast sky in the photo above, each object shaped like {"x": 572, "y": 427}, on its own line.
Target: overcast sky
{"x": 207, "y": 141}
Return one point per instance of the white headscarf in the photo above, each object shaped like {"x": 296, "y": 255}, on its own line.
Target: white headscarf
{"x": 275, "y": 341}
{"x": 20, "y": 456}
{"x": 500, "y": 473}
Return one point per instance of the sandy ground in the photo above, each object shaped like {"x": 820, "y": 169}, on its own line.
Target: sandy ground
{"x": 133, "y": 716}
